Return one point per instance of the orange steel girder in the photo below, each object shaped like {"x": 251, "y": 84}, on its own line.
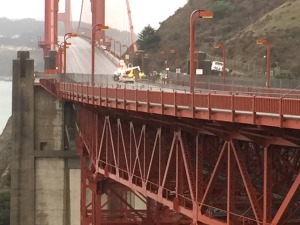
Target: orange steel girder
{"x": 203, "y": 172}
{"x": 50, "y": 29}
{"x": 52, "y": 17}
{"x": 98, "y": 16}
{"x": 103, "y": 201}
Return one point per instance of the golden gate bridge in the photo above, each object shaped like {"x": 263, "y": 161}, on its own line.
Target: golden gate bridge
{"x": 187, "y": 157}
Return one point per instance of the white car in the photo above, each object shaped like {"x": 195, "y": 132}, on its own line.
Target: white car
{"x": 217, "y": 66}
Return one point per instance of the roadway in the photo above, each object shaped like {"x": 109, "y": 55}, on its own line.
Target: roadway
{"x": 79, "y": 58}
{"x": 79, "y": 66}
{"x": 79, "y": 70}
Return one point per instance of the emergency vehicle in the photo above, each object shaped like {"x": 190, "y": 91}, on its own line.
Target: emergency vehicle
{"x": 125, "y": 74}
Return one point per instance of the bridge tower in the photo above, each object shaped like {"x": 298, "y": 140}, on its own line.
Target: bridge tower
{"x": 50, "y": 31}
{"x": 51, "y": 18}
{"x": 98, "y": 16}
{"x": 66, "y": 17}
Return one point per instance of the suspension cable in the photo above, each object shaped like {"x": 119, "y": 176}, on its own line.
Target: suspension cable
{"x": 80, "y": 16}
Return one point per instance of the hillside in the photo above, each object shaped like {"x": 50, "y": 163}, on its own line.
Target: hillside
{"x": 5, "y": 150}
{"x": 237, "y": 24}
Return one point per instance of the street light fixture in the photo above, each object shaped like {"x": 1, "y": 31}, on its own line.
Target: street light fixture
{"x": 59, "y": 60}
{"x": 177, "y": 69}
{"x": 120, "y": 48}
{"x": 139, "y": 56}
{"x": 195, "y": 15}
{"x": 66, "y": 37}
{"x": 219, "y": 45}
{"x": 126, "y": 53}
{"x": 111, "y": 39}
{"x": 264, "y": 41}
{"x": 126, "y": 46}
{"x": 96, "y": 27}
{"x": 164, "y": 52}
{"x": 174, "y": 51}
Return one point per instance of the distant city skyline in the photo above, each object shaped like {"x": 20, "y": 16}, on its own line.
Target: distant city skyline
{"x": 143, "y": 12}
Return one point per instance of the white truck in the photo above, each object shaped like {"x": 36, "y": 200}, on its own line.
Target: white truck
{"x": 125, "y": 75}
{"x": 217, "y": 66}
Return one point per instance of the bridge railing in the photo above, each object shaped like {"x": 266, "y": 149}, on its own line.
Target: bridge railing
{"x": 180, "y": 83}
{"x": 221, "y": 101}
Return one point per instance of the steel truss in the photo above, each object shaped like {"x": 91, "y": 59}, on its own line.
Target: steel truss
{"x": 212, "y": 173}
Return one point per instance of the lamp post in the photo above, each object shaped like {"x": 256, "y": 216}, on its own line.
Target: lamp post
{"x": 119, "y": 49}
{"x": 96, "y": 27}
{"x": 264, "y": 41}
{"x": 164, "y": 52}
{"x": 125, "y": 46}
{"x": 59, "y": 59}
{"x": 219, "y": 45}
{"x": 177, "y": 69}
{"x": 111, "y": 39}
{"x": 177, "y": 57}
{"x": 107, "y": 42}
{"x": 110, "y": 44}
{"x": 66, "y": 37}
{"x": 126, "y": 53}
{"x": 194, "y": 15}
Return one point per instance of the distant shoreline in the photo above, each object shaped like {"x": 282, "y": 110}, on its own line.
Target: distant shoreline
{"x": 6, "y": 79}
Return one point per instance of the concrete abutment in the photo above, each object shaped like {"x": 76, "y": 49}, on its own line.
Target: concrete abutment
{"x": 45, "y": 172}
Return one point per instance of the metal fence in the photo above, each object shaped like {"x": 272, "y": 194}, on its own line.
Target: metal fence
{"x": 202, "y": 84}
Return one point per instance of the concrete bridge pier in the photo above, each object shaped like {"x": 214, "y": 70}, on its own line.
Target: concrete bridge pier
{"x": 45, "y": 175}
{"x": 22, "y": 156}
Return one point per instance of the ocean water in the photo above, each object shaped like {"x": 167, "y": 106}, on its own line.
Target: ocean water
{"x": 5, "y": 102}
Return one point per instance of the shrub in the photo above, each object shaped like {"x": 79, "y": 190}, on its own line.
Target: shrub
{"x": 4, "y": 206}
{"x": 220, "y": 8}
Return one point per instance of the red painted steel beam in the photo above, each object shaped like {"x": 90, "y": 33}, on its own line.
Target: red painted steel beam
{"x": 142, "y": 151}
{"x": 155, "y": 102}
{"x": 110, "y": 157}
{"x": 282, "y": 211}
{"x": 248, "y": 185}
{"x": 267, "y": 194}
{"x": 98, "y": 16}
{"x": 231, "y": 185}
{"x": 50, "y": 28}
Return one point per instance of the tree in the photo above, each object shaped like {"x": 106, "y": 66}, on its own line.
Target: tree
{"x": 220, "y": 8}
{"x": 4, "y": 206}
{"x": 148, "y": 39}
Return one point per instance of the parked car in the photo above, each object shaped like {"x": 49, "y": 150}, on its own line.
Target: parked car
{"x": 217, "y": 66}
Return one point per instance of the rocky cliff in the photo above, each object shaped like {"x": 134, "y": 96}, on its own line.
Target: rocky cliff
{"x": 5, "y": 150}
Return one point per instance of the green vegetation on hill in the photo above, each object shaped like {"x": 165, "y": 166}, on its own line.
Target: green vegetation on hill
{"x": 4, "y": 206}
{"x": 237, "y": 24}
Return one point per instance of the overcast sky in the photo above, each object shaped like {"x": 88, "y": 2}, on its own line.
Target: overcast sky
{"x": 143, "y": 12}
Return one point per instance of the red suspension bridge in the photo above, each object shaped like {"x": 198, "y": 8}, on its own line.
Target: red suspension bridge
{"x": 158, "y": 154}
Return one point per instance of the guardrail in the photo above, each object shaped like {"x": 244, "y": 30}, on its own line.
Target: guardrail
{"x": 255, "y": 110}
